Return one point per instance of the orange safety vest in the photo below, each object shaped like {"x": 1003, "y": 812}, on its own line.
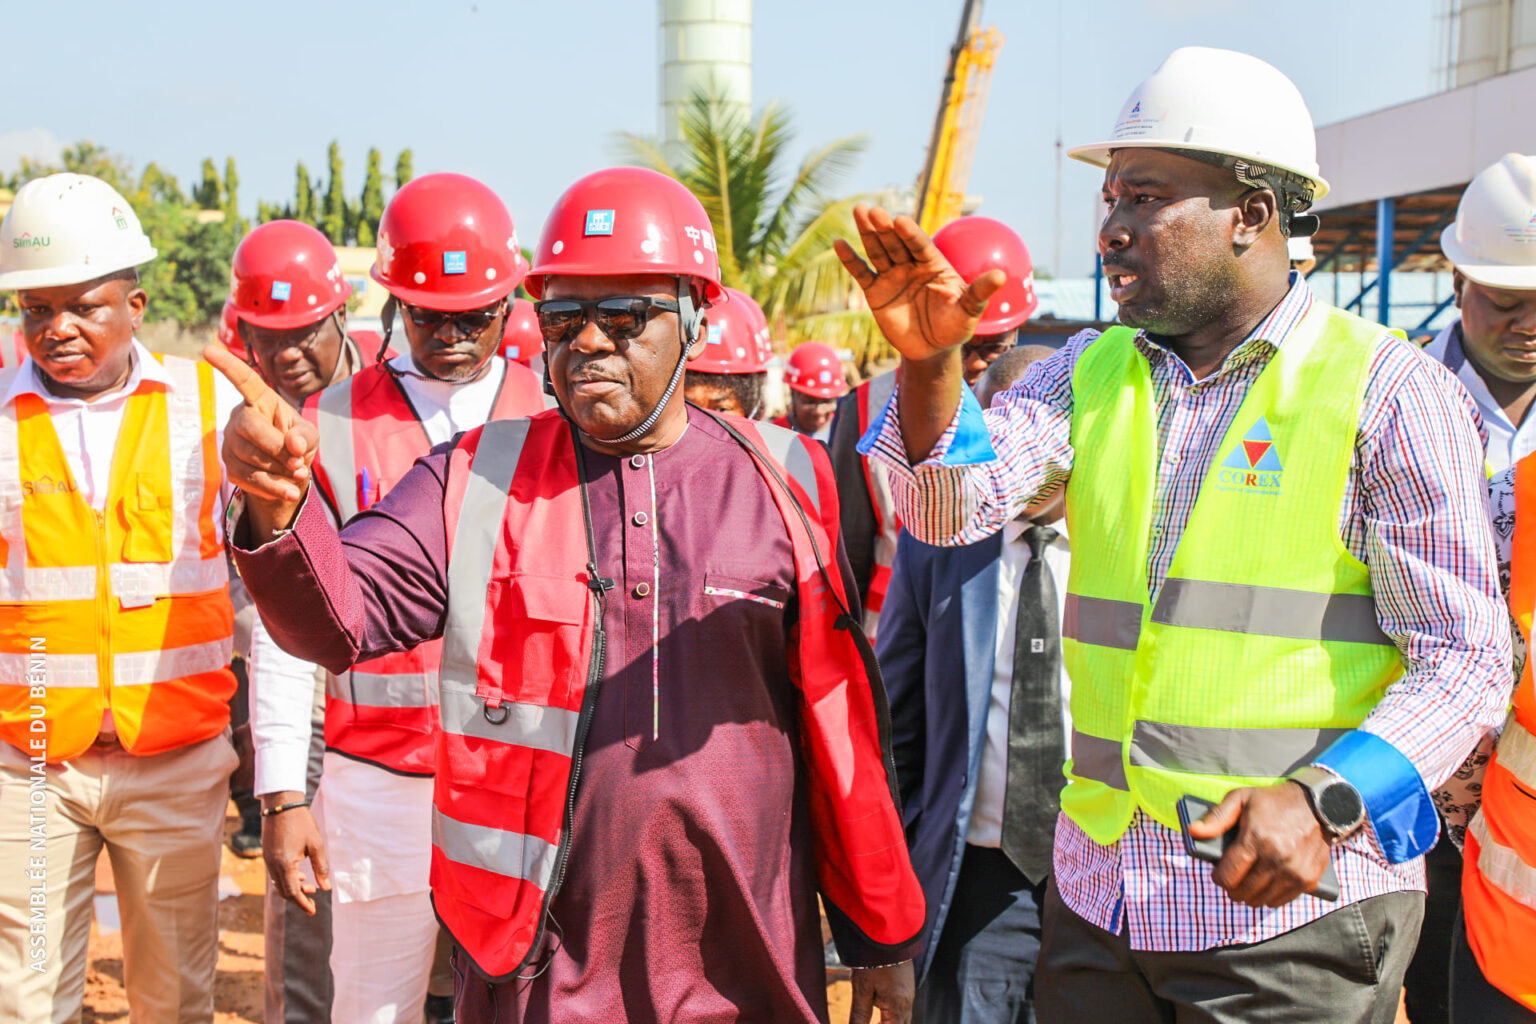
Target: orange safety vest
{"x": 520, "y": 679}
{"x": 126, "y": 609}
{"x": 1499, "y": 881}
{"x": 872, "y": 397}
{"x": 385, "y": 709}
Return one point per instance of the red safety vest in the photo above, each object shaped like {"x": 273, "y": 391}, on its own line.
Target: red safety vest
{"x": 872, "y": 397}
{"x": 518, "y": 689}
{"x": 385, "y": 709}
{"x": 782, "y": 421}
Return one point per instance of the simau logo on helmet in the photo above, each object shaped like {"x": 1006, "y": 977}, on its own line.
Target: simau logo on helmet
{"x": 1254, "y": 465}
{"x": 122, "y": 222}
{"x": 599, "y": 222}
{"x": 456, "y": 262}
{"x": 281, "y": 290}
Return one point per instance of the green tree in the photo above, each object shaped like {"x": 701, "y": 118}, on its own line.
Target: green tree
{"x": 231, "y": 190}
{"x": 209, "y": 194}
{"x": 303, "y": 197}
{"x": 370, "y": 206}
{"x": 773, "y": 226}
{"x": 161, "y": 187}
{"x": 403, "y": 168}
{"x": 333, "y": 215}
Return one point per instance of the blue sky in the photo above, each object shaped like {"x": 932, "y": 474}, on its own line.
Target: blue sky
{"x": 527, "y": 95}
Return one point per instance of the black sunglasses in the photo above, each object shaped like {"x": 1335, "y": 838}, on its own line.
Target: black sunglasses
{"x": 468, "y": 323}
{"x": 620, "y": 317}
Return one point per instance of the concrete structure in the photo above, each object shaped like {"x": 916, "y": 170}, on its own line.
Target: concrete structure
{"x": 703, "y": 44}
{"x": 1485, "y": 38}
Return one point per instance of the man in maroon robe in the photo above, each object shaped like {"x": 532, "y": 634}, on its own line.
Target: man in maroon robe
{"x": 690, "y": 886}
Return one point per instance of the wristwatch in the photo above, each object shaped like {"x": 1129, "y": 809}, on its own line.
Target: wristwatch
{"x": 1335, "y": 803}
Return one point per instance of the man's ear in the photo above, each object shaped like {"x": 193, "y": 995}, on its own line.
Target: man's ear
{"x": 138, "y": 302}
{"x": 1255, "y": 211}
{"x": 1458, "y": 282}
{"x": 697, "y": 348}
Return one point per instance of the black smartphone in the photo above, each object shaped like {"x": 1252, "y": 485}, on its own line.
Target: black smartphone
{"x": 1192, "y": 808}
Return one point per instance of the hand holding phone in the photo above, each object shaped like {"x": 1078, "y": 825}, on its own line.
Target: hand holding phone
{"x": 1192, "y": 809}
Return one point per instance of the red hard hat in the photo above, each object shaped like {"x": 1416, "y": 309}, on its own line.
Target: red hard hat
{"x": 760, "y": 333}
{"x": 229, "y": 330}
{"x": 446, "y": 242}
{"x": 815, "y": 370}
{"x": 285, "y": 275}
{"x": 628, "y": 220}
{"x": 521, "y": 340}
{"x": 733, "y": 343}
{"x": 975, "y": 245}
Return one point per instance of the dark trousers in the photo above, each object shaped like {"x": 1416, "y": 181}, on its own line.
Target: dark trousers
{"x": 983, "y": 970}
{"x": 299, "y": 986}
{"x": 1426, "y": 986}
{"x": 1474, "y": 1000}
{"x": 1342, "y": 968}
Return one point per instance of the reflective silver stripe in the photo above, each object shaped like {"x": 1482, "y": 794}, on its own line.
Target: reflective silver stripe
{"x": 509, "y": 854}
{"x": 59, "y": 670}
{"x": 787, "y": 449}
{"x": 160, "y": 579}
{"x": 1096, "y": 758}
{"x": 138, "y": 667}
{"x": 1102, "y": 622}
{"x": 334, "y": 419}
{"x": 1502, "y": 866}
{"x": 384, "y": 690}
{"x": 1517, "y": 752}
{"x": 526, "y": 725}
{"x": 1269, "y": 611}
{"x": 1245, "y": 753}
{"x": 474, "y": 547}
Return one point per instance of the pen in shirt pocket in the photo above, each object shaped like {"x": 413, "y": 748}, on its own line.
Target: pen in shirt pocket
{"x": 365, "y": 489}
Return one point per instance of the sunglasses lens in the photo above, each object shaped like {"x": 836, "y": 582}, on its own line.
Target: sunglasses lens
{"x": 622, "y": 319}
{"x": 475, "y": 321}
{"x": 559, "y": 320}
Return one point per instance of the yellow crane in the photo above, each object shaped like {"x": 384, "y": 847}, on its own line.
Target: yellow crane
{"x": 941, "y": 187}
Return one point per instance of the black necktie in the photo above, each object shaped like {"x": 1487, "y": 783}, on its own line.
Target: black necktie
{"x": 1032, "y": 798}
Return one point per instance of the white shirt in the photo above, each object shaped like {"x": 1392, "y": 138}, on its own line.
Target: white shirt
{"x": 88, "y": 431}
{"x": 986, "y": 828}
{"x": 377, "y": 824}
{"x": 1507, "y": 443}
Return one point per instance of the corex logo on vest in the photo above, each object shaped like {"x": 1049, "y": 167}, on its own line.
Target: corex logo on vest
{"x": 1254, "y": 465}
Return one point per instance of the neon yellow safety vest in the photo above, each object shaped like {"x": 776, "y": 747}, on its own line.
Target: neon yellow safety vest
{"x": 1263, "y": 647}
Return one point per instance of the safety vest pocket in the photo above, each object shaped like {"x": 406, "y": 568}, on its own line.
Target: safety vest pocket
{"x": 542, "y": 623}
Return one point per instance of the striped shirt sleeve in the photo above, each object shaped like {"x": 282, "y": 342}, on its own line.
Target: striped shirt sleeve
{"x": 967, "y": 489}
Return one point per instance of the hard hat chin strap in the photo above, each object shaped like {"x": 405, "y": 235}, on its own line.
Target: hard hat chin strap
{"x": 688, "y": 317}
{"x": 1293, "y": 195}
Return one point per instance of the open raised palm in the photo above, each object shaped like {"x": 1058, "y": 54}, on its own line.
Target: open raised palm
{"x": 923, "y": 306}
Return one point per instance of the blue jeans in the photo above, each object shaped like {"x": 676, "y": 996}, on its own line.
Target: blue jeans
{"x": 983, "y": 971}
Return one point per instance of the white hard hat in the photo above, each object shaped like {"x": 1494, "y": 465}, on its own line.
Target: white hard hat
{"x": 1298, "y": 249}
{"x": 1217, "y": 101}
{"x": 68, "y": 229}
{"x": 1493, "y": 238}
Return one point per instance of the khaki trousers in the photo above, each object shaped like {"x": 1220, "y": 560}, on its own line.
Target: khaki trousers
{"x": 161, "y": 821}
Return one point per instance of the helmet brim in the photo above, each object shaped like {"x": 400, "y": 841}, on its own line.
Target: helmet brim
{"x": 1515, "y": 277}
{"x": 1098, "y": 153}
{"x": 289, "y": 319}
{"x": 426, "y": 298}
{"x": 54, "y": 277}
{"x": 714, "y": 294}
{"x": 1004, "y": 324}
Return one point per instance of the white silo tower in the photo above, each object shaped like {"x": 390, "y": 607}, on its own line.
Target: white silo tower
{"x": 703, "y": 41}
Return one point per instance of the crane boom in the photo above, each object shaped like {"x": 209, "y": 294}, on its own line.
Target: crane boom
{"x": 967, "y": 80}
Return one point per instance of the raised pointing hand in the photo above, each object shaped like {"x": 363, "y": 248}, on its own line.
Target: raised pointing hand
{"x": 923, "y": 306}
{"x": 267, "y": 446}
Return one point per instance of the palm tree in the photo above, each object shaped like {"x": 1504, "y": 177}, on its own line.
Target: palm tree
{"x": 773, "y": 229}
